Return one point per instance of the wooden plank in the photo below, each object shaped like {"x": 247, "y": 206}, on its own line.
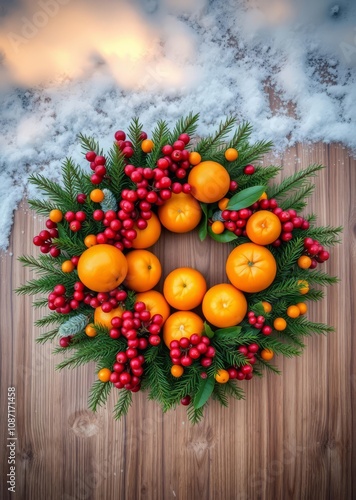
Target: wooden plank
{"x": 292, "y": 438}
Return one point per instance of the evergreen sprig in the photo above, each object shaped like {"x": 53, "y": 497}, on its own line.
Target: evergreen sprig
{"x": 187, "y": 125}
{"x": 123, "y": 404}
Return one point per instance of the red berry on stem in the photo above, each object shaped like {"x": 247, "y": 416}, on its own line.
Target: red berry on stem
{"x": 249, "y": 170}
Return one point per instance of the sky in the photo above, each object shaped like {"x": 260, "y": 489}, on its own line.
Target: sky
{"x": 71, "y": 66}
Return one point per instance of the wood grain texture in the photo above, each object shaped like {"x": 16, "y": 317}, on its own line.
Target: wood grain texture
{"x": 292, "y": 438}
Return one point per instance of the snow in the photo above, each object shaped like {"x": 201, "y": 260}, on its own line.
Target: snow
{"x": 68, "y": 67}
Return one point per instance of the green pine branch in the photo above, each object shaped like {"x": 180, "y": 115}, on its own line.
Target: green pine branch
{"x": 252, "y": 153}
{"x": 42, "y": 207}
{"x": 195, "y": 415}
{"x": 266, "y": 365}
{"x": 326, "y": 235}
{"x": 157, "y": 380}
{"x": 134, "y": 132}
{"x": 288, "y": 256}
{"x": 56, "y": 193}
{"x": 261, "y": 177}
{"x": 160, "y": 137}
{"x": 99, "y": 394}
{"x": 53, "y": 318}
{"x": 43, "y": 264}
{"x": 219, "y": 394}
{"x": 89, "y": 144}
{"x": 115, "y": 178}
{"x": 48, "y": 336}
{"x": 279, "y": 347}
{"x": 207, "y": 147}
{"x": 123, "y": 404}
{"x": 297, "y": 200}
{"x": 295, "y": 181}
{"x": 187, "y": 384}
{"x": 241, "y": 136}
{"x": 187, "y": 125}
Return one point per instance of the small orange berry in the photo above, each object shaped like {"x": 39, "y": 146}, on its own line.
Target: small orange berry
{"x": 293, "y": 311}
{"x": 217, "y": 227}
{"x": 90, "y": 330}
{"x": 90, "y": 240}
{"x": 104, "y": 375}
{"x": 303, "y": 308}
{"x": 177, "y": 371}
{"x": 194, "y": 158}
{"x": 97, "y": 195}
{"x": 55, "y": 215}
{"x": 147, "y": 146}
{"x": 280, "y": 324}
{"x": 267, "y": 354}
{"x": 231, "y": 154}
{"x": 267, "y": 307}
{"x": 304, "y": 287}
{"x": 68, "y": 266}
{"x": 263, "y": 196}
{"x": 223, "y": 203}
{"x": 304, "y": 262}
{"x": 222, "y": 376}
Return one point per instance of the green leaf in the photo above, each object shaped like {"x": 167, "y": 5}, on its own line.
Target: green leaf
{"x": 232, "y": 331}
{"x": 245, "y": 198}
{"x": 258, "y": 309}
{"x": 208, "y": 331}
{"x": 204, "y": 392}
{"x": 224, "y": 237}
{"x": 203, "y": 227}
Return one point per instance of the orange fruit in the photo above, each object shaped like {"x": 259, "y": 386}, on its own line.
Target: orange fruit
{"x": 182, "y": 324}
{"x": 224, "y": 305}
{"x": 304, "y": 262}
{"x": 280, "y": 324}
{"x": 263, "y": 196}
{"x": 155, "y": 303}
{"x": 303, "y": 308}
{"x": 90, "y": 330}
{"x": 194, "y": 158}
{"x": 223, "y": 203}
{"x": 104, "y": 319}
{"x": 68, "y": 266}
{"x": 104, "y": 375}
{"x": 90, "y": 240}
{"x": 209, "y": 181}
{"x": 266, "y": 307}
{"x": 218, "y": 227}
{"x": 55, "y": 215}
{"x": 267, "y": 354}
{"x": 304, "y": 287}
{"x": 147, "y": 237}
{"x": 184, "y": 288}
{"x": 263, "y": 227}
{"x": 102, "y": 268}
{"x": 231, "y": 154}
{"x": 251, "y": 268}
{"x": 144, "y": 270}
{"x": 293, "y": 311}
{"x": 147, "y": 145}
{"x": 222, "y": 376}
{"x": 177, "y": 371}
{"x": 181, "y": 213}
{"x": 97, "y": 195}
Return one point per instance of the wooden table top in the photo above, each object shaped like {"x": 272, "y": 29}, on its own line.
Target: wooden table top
{"x": 292, "y": 438}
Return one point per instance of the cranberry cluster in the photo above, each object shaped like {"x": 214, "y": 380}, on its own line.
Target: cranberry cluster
{"x": 258, "y": 322}
{"x": 125, "y": 146}
{"x": 44, "y": 239}
{"x": 75, "y": 220}
{"x": 236, "y": 220}
{"x": 97, "y": 164}
{"x": 315, "y": 251}
{"x": 140, "y": 329}
{"x": 245, "y": 372}
{"x": 57, "y": 301}
{"x": 186, "y": 350}
{"x": 176, "y": 157}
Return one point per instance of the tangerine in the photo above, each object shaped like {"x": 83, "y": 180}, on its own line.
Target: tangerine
{"x": 209, "y": 181}
{"x": 102, "y": 268}
{"x": 303, "y": 308}
{"x": 104, "y": 375}
{"x": 90, "y": 240}
{"x": 194, "y": 158}
{"x": 182, "y": 324}
{"x": 224, "y": 305}
{"x": 223, "y": 203}
{"x": 267, "y": 354}
{"x": 150, "y": 235}
{"x": 222, "y": 376}
{"x": 97, "y": 195}
{"x": 147, "y": 146}
{"x": 263, "y": 227}
{"x": 184, "y": 288}
{"x": 280, "y": 324}
{"x": 293, "y": 311}
{"x": 266, "y": 307}
{"x": 251, "y": 268}
{"x": 218, "y": 227}
{"x": 90, "y": 330}
{"x": 304, "y": 286}
{"x": 177, "y": 371}
{"x": 68, "y": 266}
{"x": 55, "y": 215}
{"x": 144, "y": 270}
{"x": 155, "y": 303}
{"x": 304, "y": 262}
{"x": 181, "y": 213}
{"x": 231, "y": 154}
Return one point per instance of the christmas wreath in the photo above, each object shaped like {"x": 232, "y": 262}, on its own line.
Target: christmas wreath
{"x": 99, "y": 277}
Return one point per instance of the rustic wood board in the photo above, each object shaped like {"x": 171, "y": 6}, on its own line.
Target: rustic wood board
{"x": 292, "y": 438}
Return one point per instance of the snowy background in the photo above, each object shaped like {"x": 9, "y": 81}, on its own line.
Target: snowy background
{"x": 70, "y": 66}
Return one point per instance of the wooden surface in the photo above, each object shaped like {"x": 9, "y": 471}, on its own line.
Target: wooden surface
{"x": 292, "y": 438}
